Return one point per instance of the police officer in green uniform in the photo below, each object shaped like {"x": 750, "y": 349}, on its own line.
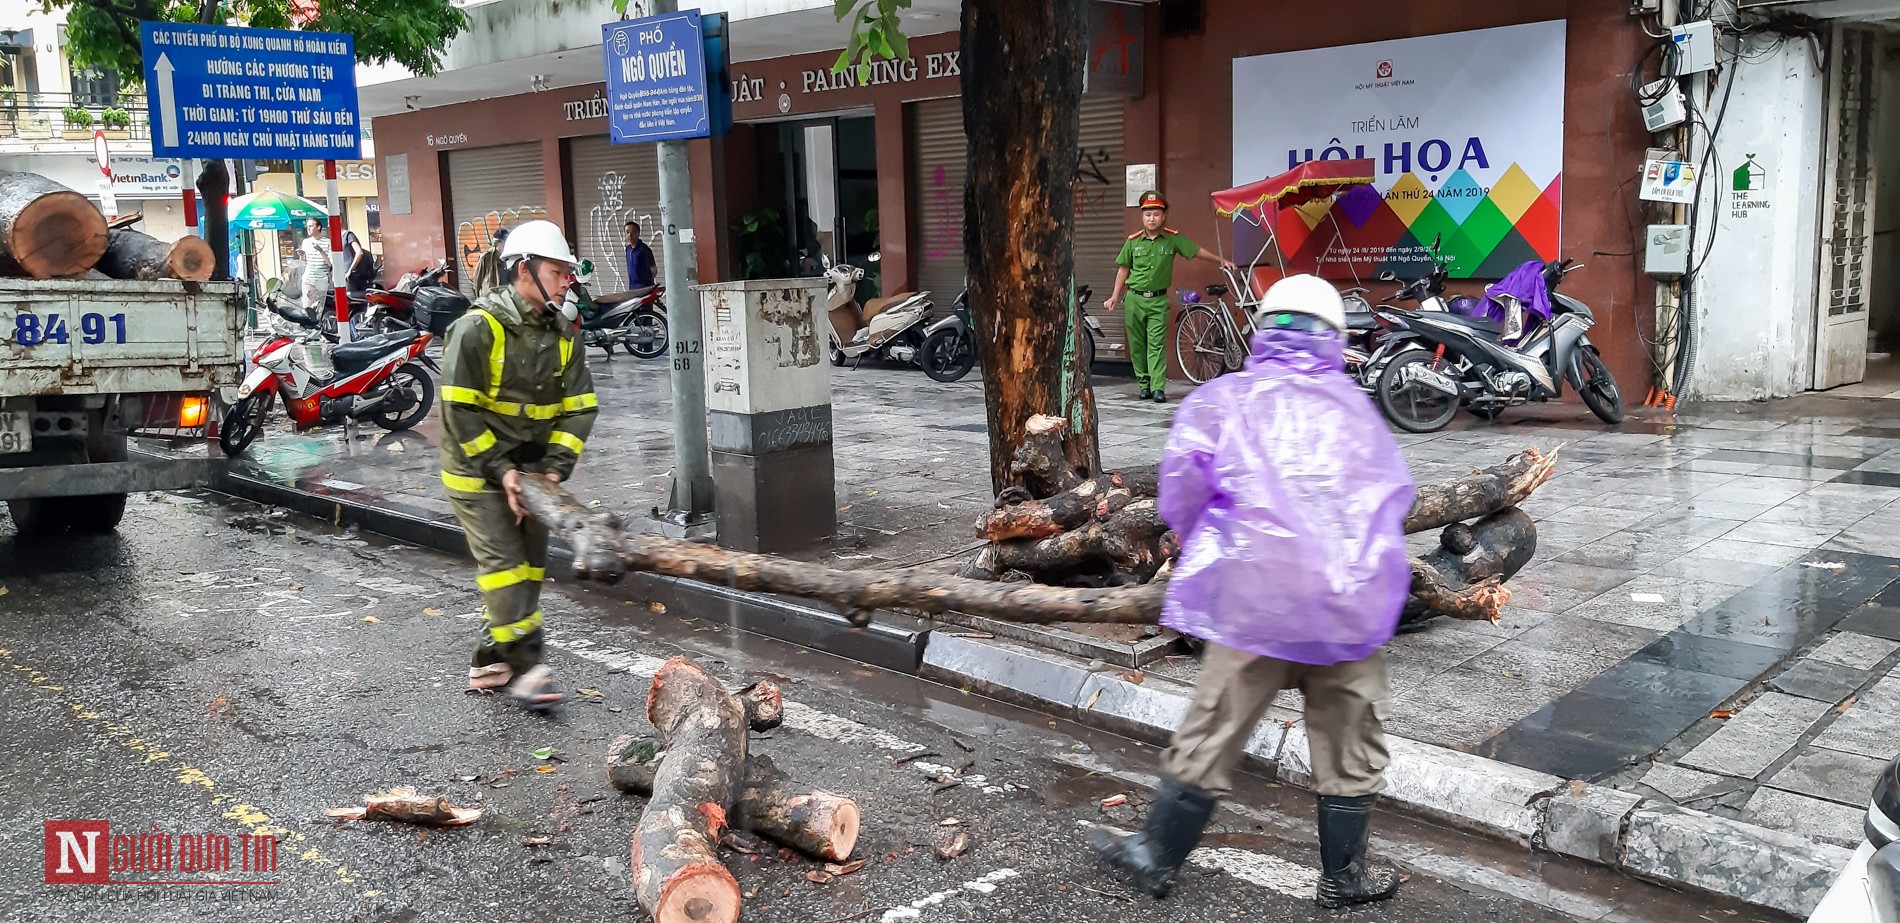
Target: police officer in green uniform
{"x": 517, "y": 402}
{"x": 1147, "y": 270}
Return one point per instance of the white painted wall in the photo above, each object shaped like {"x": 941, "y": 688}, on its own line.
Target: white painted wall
{"x": 1755, "y": 295}
{"x": 1884, "y": 300}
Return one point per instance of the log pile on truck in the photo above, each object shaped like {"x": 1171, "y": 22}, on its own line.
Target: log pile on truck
{"x": 48, "y": 231}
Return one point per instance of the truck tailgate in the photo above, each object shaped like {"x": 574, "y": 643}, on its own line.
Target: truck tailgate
{"x": 113, "y": 337}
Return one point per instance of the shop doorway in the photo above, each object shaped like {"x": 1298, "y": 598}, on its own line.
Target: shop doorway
{"x": 828, "y": 195}
{"x": 1857, "y": 322}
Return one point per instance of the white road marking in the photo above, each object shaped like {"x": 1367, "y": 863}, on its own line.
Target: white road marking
{"x": 984, "y": 885}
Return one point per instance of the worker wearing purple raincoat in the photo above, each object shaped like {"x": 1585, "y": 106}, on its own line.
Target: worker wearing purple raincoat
{"x": 1289, "y": 495}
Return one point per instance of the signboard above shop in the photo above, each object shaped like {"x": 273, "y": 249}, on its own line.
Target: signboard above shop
{"x": 220, "y": 91}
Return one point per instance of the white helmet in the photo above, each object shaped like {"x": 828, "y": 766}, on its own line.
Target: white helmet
{"x": 1303, "y": 294}
{"x": 537, "y": 239}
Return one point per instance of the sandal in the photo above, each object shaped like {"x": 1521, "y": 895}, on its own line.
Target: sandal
{"x": 492, "y": 676}
{"x": 535, "y": 689}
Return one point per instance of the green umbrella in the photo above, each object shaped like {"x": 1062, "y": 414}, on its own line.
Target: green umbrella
{"x": 263, "y": 211}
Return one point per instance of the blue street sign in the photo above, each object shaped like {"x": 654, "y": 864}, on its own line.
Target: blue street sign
{"x": 656, "y": 78}
{"x": 250, "y": 94}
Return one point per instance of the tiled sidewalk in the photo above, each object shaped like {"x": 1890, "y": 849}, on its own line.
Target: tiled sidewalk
{"x": 1676, "y": 577}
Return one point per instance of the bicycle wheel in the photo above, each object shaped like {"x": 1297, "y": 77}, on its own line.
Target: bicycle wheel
{"x": 1201, "y": 344}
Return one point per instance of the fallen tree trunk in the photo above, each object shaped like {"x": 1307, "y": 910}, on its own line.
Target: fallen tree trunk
{"x": 1133, "y": 539}
{"x": 1481, "y": 492}
{"x": 814, "y": 821}
{"x": 677, "y": 875}
{"x": 136, "y": 255}
{"x": 603, "y": 551}
{"x": 1462, "y": 577}
{"x": 47, "y": 231}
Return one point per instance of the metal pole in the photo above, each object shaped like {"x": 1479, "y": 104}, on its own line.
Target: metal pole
{"x": 337, "y": 256}
{"x": 692, "y": 499}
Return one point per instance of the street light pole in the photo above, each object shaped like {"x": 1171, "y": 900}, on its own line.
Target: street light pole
{"x": 691, "y": 502}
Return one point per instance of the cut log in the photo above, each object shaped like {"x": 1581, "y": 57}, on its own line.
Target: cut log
{"x": 47, "y": 231}
{"x": 814, "y": 821}
{"x": 1134, "y": 539}
{"x": 1481, "y": 493}
{"x": 136, "y": 255}
{"x": 764, "y": 705}
{"x": 677, "y": 875}
{"x": 1096, "y": 498}
{"x": 1462, "y": 578}
{"x": 1039, "y": 462}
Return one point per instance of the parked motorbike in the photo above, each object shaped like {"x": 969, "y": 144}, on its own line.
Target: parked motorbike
{"x": 381, "y": 379}
{"x": 949, "y": 350}
{"x": 1462, "y": 362}
{"x": 889, "y": 328}
{"x": 394, "y": 308}
{"x": 1868, "y": 889}
{"x": 634, "y": 320}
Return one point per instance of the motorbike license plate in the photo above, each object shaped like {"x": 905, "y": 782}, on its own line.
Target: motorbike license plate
{"x": 16, "y": 431}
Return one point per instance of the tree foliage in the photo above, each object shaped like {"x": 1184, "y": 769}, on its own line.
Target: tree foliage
{"x": 412, "y": 33}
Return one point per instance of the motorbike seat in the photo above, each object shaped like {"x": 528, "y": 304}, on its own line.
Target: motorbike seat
{"x": 354, "y": 357}
{"x": 1361, "y": 320}
{"x": 1483, "y": 325}
{"x": 877, "y": 306}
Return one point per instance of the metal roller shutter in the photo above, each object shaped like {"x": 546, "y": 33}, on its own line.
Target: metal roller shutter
{"x": 609, "y": 185}
{"x": 1100, "y": 208}
{"x": 938, "y": 169}
{"x": 489, "y": 189}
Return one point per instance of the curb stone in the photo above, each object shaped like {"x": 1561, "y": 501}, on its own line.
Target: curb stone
{"x": 1654, "y": 840}
{"x": 1661, "y": 842}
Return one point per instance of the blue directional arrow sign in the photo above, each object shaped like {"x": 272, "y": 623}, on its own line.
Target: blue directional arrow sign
{"x": 656, "y": 78}
{"x": 263, "y": 94}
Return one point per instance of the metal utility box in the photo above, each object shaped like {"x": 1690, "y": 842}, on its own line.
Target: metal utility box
{"x": 768, "y": 397}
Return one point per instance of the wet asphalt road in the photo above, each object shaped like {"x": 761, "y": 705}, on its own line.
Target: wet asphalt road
{"x": 223, "y": 667}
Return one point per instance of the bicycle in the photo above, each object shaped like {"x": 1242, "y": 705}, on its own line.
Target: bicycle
{"x": 1208, "y": 342}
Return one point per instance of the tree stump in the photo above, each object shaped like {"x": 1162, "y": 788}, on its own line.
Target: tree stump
{"x": 136, "y": 255}
{"x": 47, "y": 231}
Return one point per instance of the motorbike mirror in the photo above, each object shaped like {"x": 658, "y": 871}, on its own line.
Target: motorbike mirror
{"x": 1387, "y": 276}
{"x": 1438, "y": 240}
{"x": 875, "y": 256}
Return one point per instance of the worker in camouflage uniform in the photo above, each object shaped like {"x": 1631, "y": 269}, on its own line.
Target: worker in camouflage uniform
{"x": 517, "y": 402}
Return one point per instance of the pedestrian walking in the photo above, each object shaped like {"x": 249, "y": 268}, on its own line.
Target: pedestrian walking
{"x": 488, "y": 272}
{"x": 361, "y": 273}
{"x": 640, "y": 264}
{"x": 1282, "y": 475}
{"x": 517, "y": 402}
{"x": 1146, "y": 274}
{"x": 315, "y": 251}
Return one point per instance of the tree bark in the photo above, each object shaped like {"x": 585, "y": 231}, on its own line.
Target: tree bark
{"x": 214, "y": 190}
{"x": 1462, "y": 577}
{"x": 603, "y": 551}
{"x": 677, "y": 875}
{"x": 1133, "y": 539}
{"x": 813, "y": 821}
{"x": 47, "y": 231}
{"x": 1482, "y": 492}
{"x": 1022, "y": 74}
{"x": 1040, "y": 462}
{"x": 135, "y": 255}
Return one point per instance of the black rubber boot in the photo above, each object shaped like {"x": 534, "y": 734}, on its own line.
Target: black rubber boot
{"x": 1345, "y": 877}
{"x": 1149, "y": 858}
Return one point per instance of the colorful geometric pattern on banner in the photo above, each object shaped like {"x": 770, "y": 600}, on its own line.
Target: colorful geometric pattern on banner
{"x": 1466, "y": 130}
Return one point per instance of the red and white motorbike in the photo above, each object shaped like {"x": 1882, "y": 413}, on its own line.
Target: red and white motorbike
{"x": 381, "y": 379}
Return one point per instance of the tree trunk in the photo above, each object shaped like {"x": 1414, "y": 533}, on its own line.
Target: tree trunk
{"x": 1482, "y": 492}
{"x": 603, "y": 551}
{"x": 1461, "y": 577}
{"x": 1096, "y": 497}
{"x": 214, "y": 189}
{"x": 1022, "y": 75}
{"x": 1134, "y": 539}
{"x": 813, "y": 821}
{"x": 1040, "y": 463}
{"x": 135, "y": 255}
{"x": 47, "y": 231}
{"x": 677, "y": 875}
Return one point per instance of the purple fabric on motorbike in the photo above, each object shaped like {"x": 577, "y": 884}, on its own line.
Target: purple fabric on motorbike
{"x": 1290, "y": 496}
{"x": 1526, "y": 284}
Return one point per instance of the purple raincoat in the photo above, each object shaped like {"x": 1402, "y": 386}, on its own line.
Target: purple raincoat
{"x": 1290, "y": 496}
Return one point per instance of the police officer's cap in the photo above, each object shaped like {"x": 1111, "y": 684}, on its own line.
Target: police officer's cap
{"x": 1153, "y": 199}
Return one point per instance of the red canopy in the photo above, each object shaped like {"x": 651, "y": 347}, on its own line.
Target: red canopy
{"x": 1314, "y": 179}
